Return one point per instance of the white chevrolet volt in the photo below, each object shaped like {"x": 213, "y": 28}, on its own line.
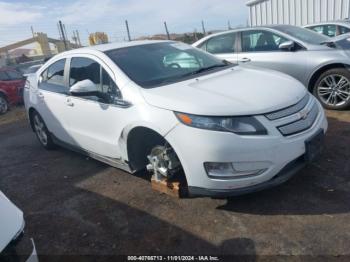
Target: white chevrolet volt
{"x": 178, "y": 111}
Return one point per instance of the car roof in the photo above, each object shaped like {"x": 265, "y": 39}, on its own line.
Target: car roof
{"x": 117, "y": 45}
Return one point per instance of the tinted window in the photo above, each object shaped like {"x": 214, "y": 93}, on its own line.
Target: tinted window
{"x": 153, "y": 65}
{"x": 55, "y": 73}
{"x": 329, "y": 30}
{"x": 317, "y": 29}
{"x": 14, "y": 75}
{"x": 343, "y": 30}
{"x": 221, "y": 44}
{"x": 257, "y": 41}
{"x": 3, "y": 76}
{"x": 52, "y": 79}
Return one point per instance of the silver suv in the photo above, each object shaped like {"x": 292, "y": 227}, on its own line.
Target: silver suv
{"x": 319, "y": 62}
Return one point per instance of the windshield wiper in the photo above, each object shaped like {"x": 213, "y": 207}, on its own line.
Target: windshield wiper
{"x": 203, "y": 69}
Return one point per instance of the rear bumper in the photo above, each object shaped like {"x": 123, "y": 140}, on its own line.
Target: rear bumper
{"x": 284, "y": 175}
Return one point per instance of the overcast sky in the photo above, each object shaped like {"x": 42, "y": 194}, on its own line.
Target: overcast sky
{"x": 145, "y": 17}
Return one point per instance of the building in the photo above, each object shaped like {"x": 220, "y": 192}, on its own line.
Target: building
{"x": 296, "y": 12}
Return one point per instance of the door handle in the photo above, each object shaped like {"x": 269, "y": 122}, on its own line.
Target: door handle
{"x": 244, "y": 60}
{"x": 69, "y": 102}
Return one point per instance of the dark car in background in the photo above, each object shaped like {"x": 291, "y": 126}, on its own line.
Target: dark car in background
{"x": 11, "y": 88}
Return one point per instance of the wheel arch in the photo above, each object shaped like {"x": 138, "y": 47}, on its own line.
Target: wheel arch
{"x": 139, "y": 140}
{"x": 31, "y": 110}
{"x": 323, "y": 69}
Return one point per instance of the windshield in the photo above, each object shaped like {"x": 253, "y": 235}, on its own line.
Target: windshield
{"x": 303, "y": 34}
{"x": 152, "y": 65}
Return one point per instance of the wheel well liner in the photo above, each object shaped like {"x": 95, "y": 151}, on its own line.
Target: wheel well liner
{"x": 321, "y": 70}
{"x": 140, "y": 142}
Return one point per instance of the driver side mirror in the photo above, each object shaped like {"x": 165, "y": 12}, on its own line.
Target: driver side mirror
{"x": 87, "y": 88}
{"x": 287, "y": 46}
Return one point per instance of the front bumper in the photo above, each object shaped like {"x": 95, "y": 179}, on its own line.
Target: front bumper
{"x": 283, "y": 176}
{"x": 284, "y": 156}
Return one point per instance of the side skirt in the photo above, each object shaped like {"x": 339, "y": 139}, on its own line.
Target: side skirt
{"x": 114, "y": 162}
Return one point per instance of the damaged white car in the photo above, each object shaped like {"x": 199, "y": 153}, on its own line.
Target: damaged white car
{"x": 175, "y": 108}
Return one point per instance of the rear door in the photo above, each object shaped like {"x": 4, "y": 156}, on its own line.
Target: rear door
{"x": 51, "y": 100}
{"x": 223, "y": 46}
{"x": 261, "y": 48}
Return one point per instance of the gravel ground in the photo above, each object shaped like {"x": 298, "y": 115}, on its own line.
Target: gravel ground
{"x": 74, "y": 205}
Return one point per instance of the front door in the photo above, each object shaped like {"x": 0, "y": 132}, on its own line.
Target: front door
{"x": 261, "y": 48}
{"x": 94, "y": 123}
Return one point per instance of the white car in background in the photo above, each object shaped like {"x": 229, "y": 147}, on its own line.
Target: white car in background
{"x": 172, "y": 107}
{"x": 11, "y": 222}
{"x": 331, "y": 28}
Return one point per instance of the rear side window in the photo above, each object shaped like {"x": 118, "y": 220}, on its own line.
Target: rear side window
{"x": 52, "y": 79}
{"x": 221, "y": 44}
{"x": 55, "y": 73}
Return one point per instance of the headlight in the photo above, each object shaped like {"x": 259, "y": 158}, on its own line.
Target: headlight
{"x": 242, "y": 125}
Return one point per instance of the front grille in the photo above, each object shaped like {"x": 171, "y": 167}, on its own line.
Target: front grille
{"x": 289, "y": 110}
{"x": 302, "y": 124}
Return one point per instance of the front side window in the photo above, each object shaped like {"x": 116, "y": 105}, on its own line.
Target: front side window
{"x": 221, "y": 44}
{"x": 82, "y": 68}
{"x": 52, "y": 79}
{"x": 154, "y": 65}
{"x": 258, "y": 41}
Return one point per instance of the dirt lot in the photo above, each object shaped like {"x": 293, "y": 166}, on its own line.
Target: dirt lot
{"x": 75, "y": 205}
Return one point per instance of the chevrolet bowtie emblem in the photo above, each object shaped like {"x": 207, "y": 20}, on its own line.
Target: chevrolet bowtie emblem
{"x": 303, "y": 114}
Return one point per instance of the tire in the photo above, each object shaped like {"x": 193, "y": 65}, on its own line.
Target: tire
{"x": 4, "y": 106}
{"x": 41, "y": 131}
{"x": 332, "y": 89}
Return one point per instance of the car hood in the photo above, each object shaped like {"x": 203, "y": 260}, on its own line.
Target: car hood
{"x": 235, "y": 91}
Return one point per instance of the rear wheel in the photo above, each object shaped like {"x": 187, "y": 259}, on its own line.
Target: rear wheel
{"x": 333, "y": 89}
{"x": 42, "y": 132}
{"x": 3, "y": 105}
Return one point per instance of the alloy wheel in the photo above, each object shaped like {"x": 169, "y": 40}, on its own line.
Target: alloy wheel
{"x": 3, "y": 105}
{"x": 334, "y": 90}
{"x": 40, "y": 130}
